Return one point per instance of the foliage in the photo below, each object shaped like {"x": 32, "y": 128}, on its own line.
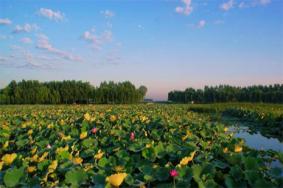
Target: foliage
{"x": 69, "y": 92}
{"x": 48, "y": 147}
{"x": 226, "y": 93}
{"x": 266, "y": 118}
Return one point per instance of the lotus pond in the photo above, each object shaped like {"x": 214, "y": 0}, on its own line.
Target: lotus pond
{"x": 128, "y": 146}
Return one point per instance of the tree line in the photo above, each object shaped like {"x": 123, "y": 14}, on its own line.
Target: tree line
{"x": 69, "y": 92}
{"x": 226, "y": 93}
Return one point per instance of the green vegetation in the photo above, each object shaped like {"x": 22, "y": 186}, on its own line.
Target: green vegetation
{"x": 69, "y": 92}
{"x": 266, "y": 118}
{"x": 145, "y": 145}
{"x": 226, "y": 93}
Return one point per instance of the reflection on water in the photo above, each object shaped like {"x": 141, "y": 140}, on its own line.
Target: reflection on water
{"x": 256, "y": 140}
{"x": 259, "y": 142}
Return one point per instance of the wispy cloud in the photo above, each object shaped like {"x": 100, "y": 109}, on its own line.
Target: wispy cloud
{"x": 3, "y": 59}
{"x": 31, "y": 62}
{"x": 106, "y": 36}
{"x": 112, "y": 59}
{"x": 186, "y": 9}
{"x": 248, "y": 4}
{"x": 107, "y": 13}
{"x": 218, "y": 22}
{"x": 26, "y": 28}
{"x": 26, "y": 40}
{"x": 44, "y": 44}
{"x": 227, "y": 5}
{"x": 92, "y": 38}
{"x": 4, "y": 37}
{"x": 22, "y": 58}
{"x": 51, "y": 14}
{"x": 95, "y": 40}
{"x": 264, "y": 2}
{"x": 5, "y": 21}
{"x": 141, "y": 27}
{"x": 201, "y": 24}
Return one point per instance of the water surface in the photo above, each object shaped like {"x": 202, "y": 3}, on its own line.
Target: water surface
{"x": 256, "y": 140}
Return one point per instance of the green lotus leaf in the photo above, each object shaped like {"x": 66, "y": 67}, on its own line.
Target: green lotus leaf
{"x": 75, "y": 177}
{"x": 103, "y": 162}
{"x": 13, "y": 176}
{"x": 149, "y": 154}
{"x": 161, "y": 173}
{"x": 160, "y": 150}
{"x": 250, "y": 163}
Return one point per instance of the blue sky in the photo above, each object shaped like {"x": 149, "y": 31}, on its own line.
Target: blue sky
{"x": 163, "y": 44}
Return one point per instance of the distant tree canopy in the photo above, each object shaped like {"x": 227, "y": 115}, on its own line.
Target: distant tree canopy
{"x": 68, "y": 92}
{"x": 226, "y": 93}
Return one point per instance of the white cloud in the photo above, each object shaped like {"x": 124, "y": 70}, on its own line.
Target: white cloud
{"x": 141, "y": 27}
{"x": 26, "y": 40}
{"x": 5, "y": 21}
{"x": 179, "y": 10}
{"x": 264, "y": 2}
{"x": 30, "y": 61}
{"x": 97, "y": 40}
{"x": 5, "y": 37}
{"x": 227, "y": 6}
{"x": 44, "y": 44}
{"x": 89, "y": 36}
{"x": 218, "y": 22}
{"x": 107, "y": 13}
{"x": 51, "y": 14}
{"x": 3, "y": 58}
{"x": 26, "y": 28}
{"x": 22, "y": 58}
{"x": 112, "y": 58}
{"x": 249, "y": 4}
{"x": 242, "y": 5}
{"x": 109, "y": 25}
{"x": 106, "y": 36}
{"x": 4, "y": 61}
{"x": 186, "y": 9}
{"x": 201, "y": 24}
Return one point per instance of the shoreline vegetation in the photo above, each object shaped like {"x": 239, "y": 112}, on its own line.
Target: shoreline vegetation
{"x": 79, "y": 92}
{"x": 225, "y": 93}
{"x": 71, "y": 92}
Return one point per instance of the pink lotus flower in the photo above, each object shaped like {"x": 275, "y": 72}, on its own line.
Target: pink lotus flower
{"x": 132, "y": 136}
{"x": 173, "y": 173}
{"x": 48, "y": 146}
{"x": 94, "y": 130}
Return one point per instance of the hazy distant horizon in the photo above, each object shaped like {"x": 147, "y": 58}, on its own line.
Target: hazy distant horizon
{"x": 160, "y": 96}
{"x": 164, "y": 45}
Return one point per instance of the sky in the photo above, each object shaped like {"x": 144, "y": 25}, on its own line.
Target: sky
{"x": 162, "y": 44}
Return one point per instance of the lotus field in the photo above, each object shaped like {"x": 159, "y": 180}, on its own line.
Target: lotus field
{"x": 145, "y": 145}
